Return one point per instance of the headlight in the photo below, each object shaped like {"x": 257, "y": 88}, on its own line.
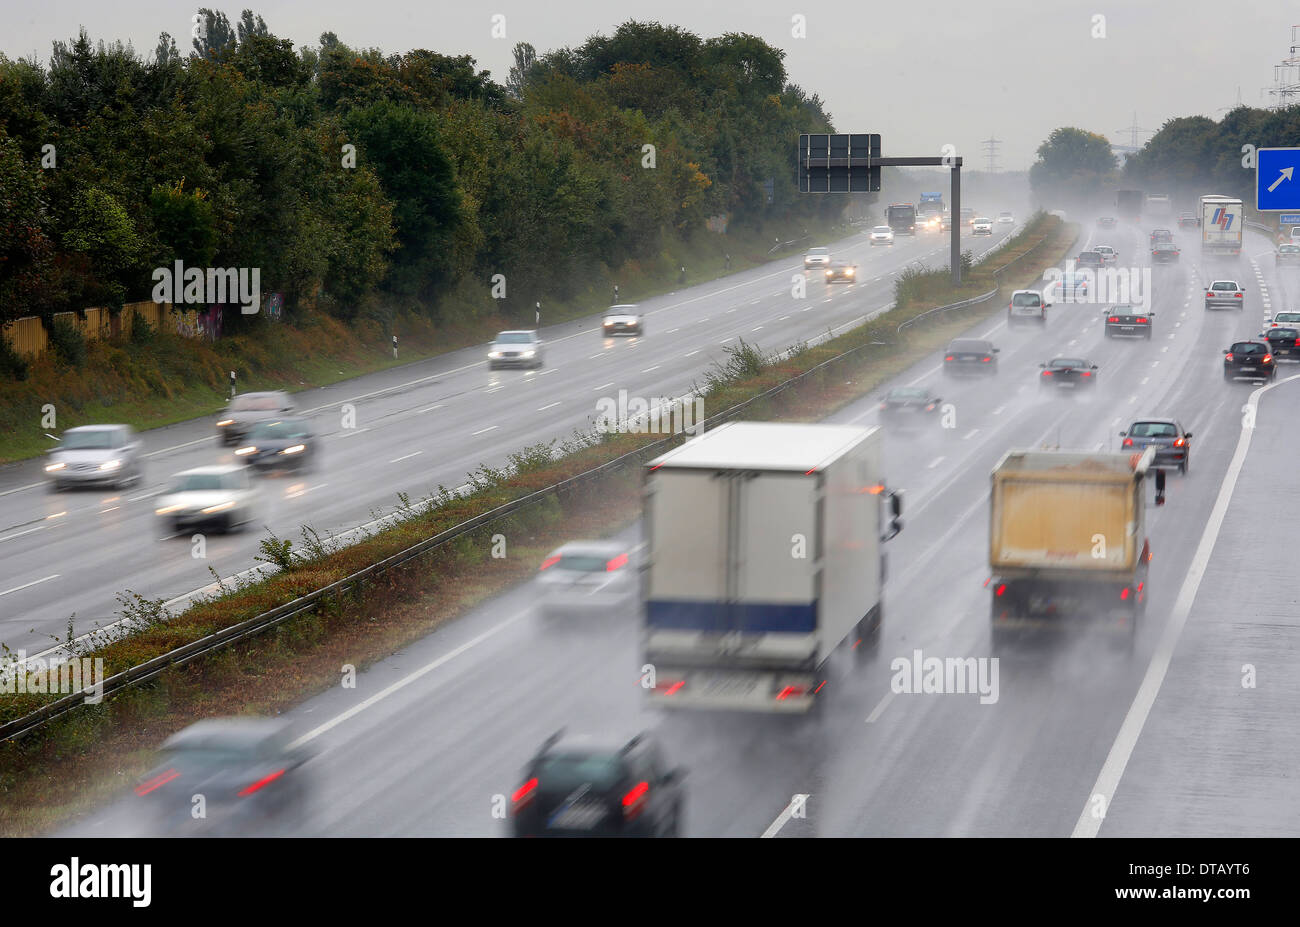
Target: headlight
{"x": 110, "y": 465}
{"x": 50, "y": 468}
{"x": 245, "y": 450}
{"x": 849, "y": 271}
{"x": 529, "y": 353}
{"x": 220, "y": 507}
{"x": 608, "y": 323}
{"x": 296, "y": 449}
{"x": 224, "y": 422}
{"x": 168, "y": 509}
{"x": 494, "y": 354}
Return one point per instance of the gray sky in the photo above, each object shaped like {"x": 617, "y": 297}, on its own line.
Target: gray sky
{"x": 924, "y": 73}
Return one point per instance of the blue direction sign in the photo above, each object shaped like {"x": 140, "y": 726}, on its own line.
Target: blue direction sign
{"x": 1277, "y": 179}
{"x": 1289, "y": 218}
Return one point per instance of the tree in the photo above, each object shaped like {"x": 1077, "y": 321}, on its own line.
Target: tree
{"x": 215, "y": 34}
{"x": 1073, "y": 166}
{"x": 521, "y": 72}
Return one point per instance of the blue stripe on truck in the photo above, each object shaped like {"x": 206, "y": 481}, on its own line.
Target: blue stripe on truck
{"x": 751, "y": 617}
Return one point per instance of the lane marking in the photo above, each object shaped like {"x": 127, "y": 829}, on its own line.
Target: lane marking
{"x": 35, "y": 582}
{"x": 880, "y": 707}
{"x": 406, "y": 457}
{"x": 550, "y": 405}
{"x": 781, "y": 819}
{"x": 483, "y": 431}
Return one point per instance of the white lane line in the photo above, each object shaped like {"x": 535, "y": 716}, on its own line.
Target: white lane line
{"x": 602, "y": 386}
{"x": 495, "y": 389}
{"x": 483, "y": 431}
{"x": 1145, "y": 381}
{"x": 408, "y": 679}
{"x": 594, "y": 356}
{"x": 1089, "y": 824}
{"x": 549, "y": 405}
{"x": 8, "y": 492}
{"x": 35, "y": 582}
{"x": 756, "y": 302}
{"x": 406, "y": 457}
{"x": 671, "y": 330}
{"x": 759, "y": 329}
{"x": 428, "y": 409}
{"x": 798, "y": 801}
{"x": 783, "y": 318}
{"x": 880, "y": 707}
{"x": 998, "y": 410}
{"x": 18, "y": 534}
{"x": 692, "y": 353}
{"x": 548, "y": 370}
{"x": 732, "y": 309}
{"x": 724, "y": 341}
{"x": 934, "y": 463}
{"x": 112, "y": 509}
{"x": 970, "y": 434}
{"x": 649, "y": 369}
{"x": 354, "y": 431}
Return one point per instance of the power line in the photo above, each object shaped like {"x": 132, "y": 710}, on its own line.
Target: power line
{"x": 991, "y": 150}
{"x": 1286, "y": 75}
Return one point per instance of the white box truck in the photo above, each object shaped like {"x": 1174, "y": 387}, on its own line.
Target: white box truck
{"x": 763, "y": 555}
{"x": 1222, "y": 219}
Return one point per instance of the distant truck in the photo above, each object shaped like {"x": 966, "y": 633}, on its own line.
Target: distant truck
{"x": 901, "y": 217}
{"x": 1158, "y": 206}
{"x": 1067, "y": 542}
{"x": 764, "y": 555}
{"x": 1128, "y": 203}
{"x": 929, "y": 211}
{"x": 1221, "y": 221}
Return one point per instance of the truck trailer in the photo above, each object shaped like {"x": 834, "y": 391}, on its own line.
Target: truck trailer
{"x": 763, "y": 556}
{"x": 1128, "y": 204}
{"x": 1067, "y": 543}
{"x": 1221, "y": 223}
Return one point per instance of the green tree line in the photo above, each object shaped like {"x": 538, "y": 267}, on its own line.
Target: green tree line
{"x": 359, "y": 181}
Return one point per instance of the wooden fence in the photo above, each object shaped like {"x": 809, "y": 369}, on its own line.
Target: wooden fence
{"x": 28, "y": 336}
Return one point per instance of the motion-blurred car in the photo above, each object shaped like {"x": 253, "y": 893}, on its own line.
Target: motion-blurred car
{"x": 967, "y": 215}
{"x": 1067, "y": 373}
{"x": 1188, "y": 221}
{"x": 623, "y": 320}
{"x": 283, "y": 444}
{"x": 598, "y": 786}
{"x": 1295, "y": 233}
{"x": 841, "y": 272}
{"x": 1286, "y": 317}
{"x": 1172, "y": 444}
{"x": 1284, "y": 343}
{"x": 585, "y": 577}
{"x": 248, "y": 773}
{"x": 1128, "y": 320}
{"x": 1158, "y": 235}
{"x": 515, "y": 349}
{"x": 1287, "y": 254}
{"x": 1006, "y": 218}
{"x": 246, "y": 410}
{"x": 90, "y": 454}
{"x": 1224, "y": 293}
{"x": 219, "y": 496}
{"x": 1108, "y": 254}
{"x": 1088, "y": 259}
{"x": 1250, "y": 360}
{"x": 816, "y": 257}
{"x": 931, "y": 223}
{"x": 909, "y": 405}
{"x": 1164, "y": 252}
{"x": 970, "y": 357}
{"x": 882, "y": 235}
{"x": 981, "y": 226}
{"x": 1072, "y": 288}
{"x": 1106, "y": 222}
{"x": 1027, "y": 306}
{"x": 945, "y": 222}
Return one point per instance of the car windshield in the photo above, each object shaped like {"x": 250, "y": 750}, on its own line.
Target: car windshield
{"x": 819, "y": 251}
{"x": 1153, "y": 430}
{"x": 514, "y": 338}
{"x": 1123, "y": 310}
{"x": 269, "y": 430}
{"x": 881, "y": 228}
{"x": 1223, "y": 285}
{"x": 1289, "y": 249}
{"x": 908, "y": 392}
{"x": 255, "y": 404}
{"x": 87, "y": 440}
{"x": 564, "y": 772}
{"x": 980, "y": 347}
{"x": 1069, "y": 362}
{"x": 1282, "y": 333}
{"x": 1287, "y": 317}
{"x": 201, "y": 482}
{"x": 1026, "y": 299}
{"x": 1089, "y": 257}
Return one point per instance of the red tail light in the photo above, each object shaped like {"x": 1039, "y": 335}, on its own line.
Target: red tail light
{"x": 1128, "y": 442}
{"x": 1228, "y": 356}
{"x": 524, "y": 794}
{"x": 1179, "y": 443}
{"x": 884, "y": 405}
{"x": 949, "y": 357}
{"x": 1113, "y": 318}
{"x": 261, "y": 783}
{"x": 144, "y": 788}
{"x": 634, "y": 801}
{"x": 1268, "y": 358}
{"x": 985, "y": 359}
{"x": 1143, "y": 321}
{"x": 1001, "y": 589}
{"x": 671, "y": 688}
{"x": 550, "y": 562}
{"x": 1123, "y": 594}
{"x": 1047, "y": 373}
{"x": 1087, "y": 373}
{"x": 1238, "y": 295}
{"x": 617, "y": 563}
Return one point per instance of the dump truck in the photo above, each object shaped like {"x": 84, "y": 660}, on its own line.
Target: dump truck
{"x": 763, "y": 555}
{"x": 1068, "y": 548}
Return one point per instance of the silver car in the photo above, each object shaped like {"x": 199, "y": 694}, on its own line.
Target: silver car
{"x": 221, "y": 496}
{"x": 246, "y": 410}
{"x": 515, "y": 349}
{"x": 95, "y": 454}
{"x": 623, "y": 320}
{"x": 587, "y": 577}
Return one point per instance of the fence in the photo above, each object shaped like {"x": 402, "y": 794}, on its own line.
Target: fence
{"x": 27, "y": 335}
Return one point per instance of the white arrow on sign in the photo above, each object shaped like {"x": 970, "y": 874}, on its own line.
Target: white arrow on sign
{"x": 1285, "y": 174}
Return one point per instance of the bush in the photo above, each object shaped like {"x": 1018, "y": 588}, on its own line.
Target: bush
{"x": 142, "y": 331}
{"x": 68, "y": 343}
{"x": 12, "y": 364}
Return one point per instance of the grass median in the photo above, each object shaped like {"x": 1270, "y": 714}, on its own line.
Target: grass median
{"x": 87, "y": 756}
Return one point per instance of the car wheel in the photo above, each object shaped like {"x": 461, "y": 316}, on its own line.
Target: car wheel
{"x": 56, "y": 486}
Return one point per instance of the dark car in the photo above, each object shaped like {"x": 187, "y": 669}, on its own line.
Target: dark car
{"x": 970, "y": 357}
{"x": 284, "y": 444}
{"x": 1159, "y": 235}
{"x": 578, "y": 786}
{"x": 1188, "y": 221}
{"x": 1164, "y": 252}
{"x": 1283, "y": 342}
{"x": 904, "y": 405}
{"x": 841, "y": 271}
{"x": 247, "y": 410}
{"x": 1128, "y": 320}
{"x": 247, "y": 771}
{"x": 1249, "y": 359}
{"x": 1166, "y": 436}
{"x": 1106, "y": 222}
{"x": 1089, "y": 259}
{"x": 1287, "y": 254}
{"x": 1068, "y": 373}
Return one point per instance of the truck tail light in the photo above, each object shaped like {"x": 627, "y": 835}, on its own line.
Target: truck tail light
{"x": 985, "y": 359}
{"x": 1123, "y": 594}
{"x": 634, "y": 801}
{"x": 1001, "y": 589}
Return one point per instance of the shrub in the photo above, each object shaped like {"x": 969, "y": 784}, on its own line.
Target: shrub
{"x": 68, "y": 343}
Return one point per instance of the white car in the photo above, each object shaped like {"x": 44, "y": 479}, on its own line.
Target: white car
{"x": 816, "y": 257}
{"x": 622, "y": 320}
{"x": 1027, "y": 305}
{"x": 587, "y": 577}
{"x": 221, "y": 496}
{"x": 104, "y": 454}
{"x": 981, "y": 226}
{"x": 1006, "y": 218}
{"x": 1224, "y": 293}
{"x": 1108, "y": 254}
{"x": 515, "y": 349}
{"x": 1284, "y": 318}
{"x": 882, "y": 235}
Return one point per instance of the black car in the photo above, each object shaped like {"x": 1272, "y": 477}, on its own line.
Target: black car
{"x": 970, "y": 357}
{"x": 247, "y": 409}
{"x": 843, "y": 271}
{"x": 1089, "y": 259}
{"x": 1106, "y": 222}
{"x": 1283, "y": 342}
{"x": 1166, "y": 436}
{"x": 283, "y": 444}
{"x": 909, "y": 405}
{"x": 1159, "y": 235}
{"x": 1164, "y": 252}
{"x": 1068, "y": 373}
{"x": 1128, "y": 320}
{"x": 578, "y": 786}
{"x": 1250, "y": 359}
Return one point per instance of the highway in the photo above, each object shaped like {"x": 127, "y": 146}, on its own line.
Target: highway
{"x": 1164, "y": 742}
{"x": 415, "y": 428}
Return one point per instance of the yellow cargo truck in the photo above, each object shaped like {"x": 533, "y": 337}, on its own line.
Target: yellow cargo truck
{"x": 1067, "y": 542}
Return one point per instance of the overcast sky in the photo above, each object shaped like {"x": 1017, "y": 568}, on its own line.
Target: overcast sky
{"x": 922, "y": 73}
